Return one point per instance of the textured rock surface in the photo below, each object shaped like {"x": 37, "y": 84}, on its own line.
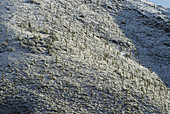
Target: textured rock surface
{"x": 84, "y": 56}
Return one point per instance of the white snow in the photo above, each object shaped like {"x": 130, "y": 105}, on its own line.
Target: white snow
{"x": 84, "y": 56}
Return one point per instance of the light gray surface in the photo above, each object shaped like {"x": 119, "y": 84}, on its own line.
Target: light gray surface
{"x": 78, "y": 56}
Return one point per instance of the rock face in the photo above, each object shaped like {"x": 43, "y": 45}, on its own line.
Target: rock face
{"x": 167, "y": 28}
{"x": 84, "y": 56}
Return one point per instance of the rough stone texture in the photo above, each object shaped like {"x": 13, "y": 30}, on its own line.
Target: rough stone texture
{"x": 83, "y": 56}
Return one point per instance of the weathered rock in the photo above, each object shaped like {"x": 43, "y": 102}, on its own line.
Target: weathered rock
{"x": 167, "y": 28}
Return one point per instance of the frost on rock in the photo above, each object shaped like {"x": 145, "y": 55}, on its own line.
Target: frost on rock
{"x": 84, "y": 56}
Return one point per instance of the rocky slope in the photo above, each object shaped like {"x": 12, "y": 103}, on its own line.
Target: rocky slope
{"x": 84, "y": 56}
